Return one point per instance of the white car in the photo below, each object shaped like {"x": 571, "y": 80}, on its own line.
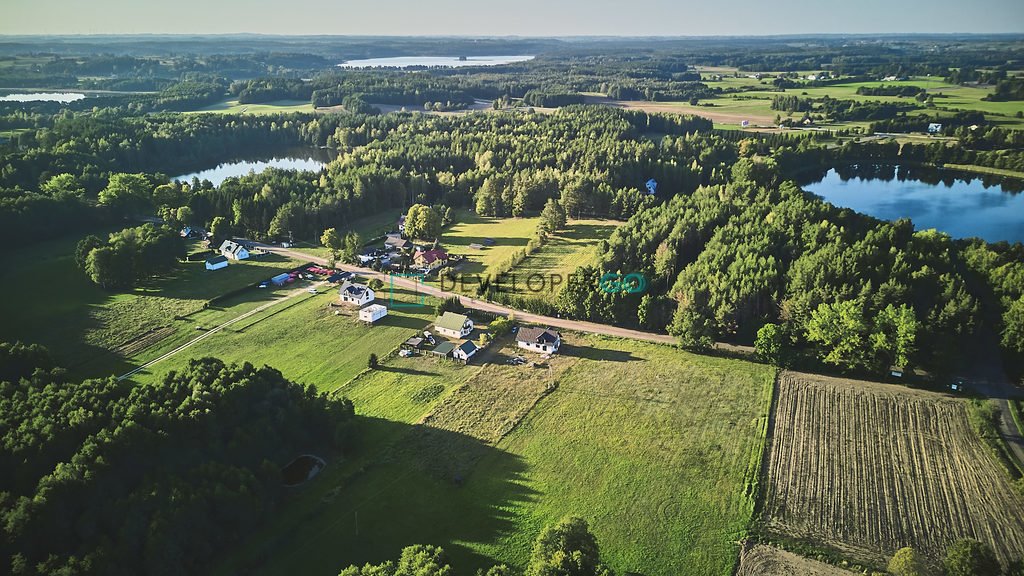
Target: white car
{"x": 311, "y": 290}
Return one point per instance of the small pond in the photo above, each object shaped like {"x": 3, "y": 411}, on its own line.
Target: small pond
{"x": 960, "y": 204}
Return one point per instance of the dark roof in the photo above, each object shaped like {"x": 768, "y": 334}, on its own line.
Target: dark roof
{"x": 468, "y": 347}
{"x": 339, "y": 276}
{"x": 216, "y": 259}
{"x": 444, "y": 348}
{"x": 537, "y": 335}
{"x": 354, "y": 289}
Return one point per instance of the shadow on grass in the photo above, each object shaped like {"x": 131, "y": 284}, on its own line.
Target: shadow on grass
{"x": 591, "y": 353}
{"x": 405, "y": 484}
{"x": 402, "y": 321}
{"x": 403, "y": 370}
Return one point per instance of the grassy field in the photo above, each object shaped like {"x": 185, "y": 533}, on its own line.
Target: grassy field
{"x": 47, "y": 300}
{"x": 302, "y": 337}
{"x": 542, "y": 273}
{"x": 509, "y": 235}
{"x": 275, "y": 107}
{"x": 658, "y": 448}
{"x": 755, "y": 105}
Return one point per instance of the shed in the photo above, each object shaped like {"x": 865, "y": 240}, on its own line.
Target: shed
{"x": 216, "y": 263}
{"x": 413, "y": 343}
{"x": 372, "y": 313}
{"x": 444, "y": 350}
{"x": 335, "y": 278}
{"x": 280, "y": 279}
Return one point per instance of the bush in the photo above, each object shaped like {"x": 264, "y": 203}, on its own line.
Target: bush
{"x": 970, "y": 558}
{"x": 372, "y": 361}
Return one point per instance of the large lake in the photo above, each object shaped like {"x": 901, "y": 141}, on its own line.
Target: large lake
{"x": 960, "y": 204}
{"x": 428, "y": 61}
{"x": 298, "y": 159}
{"x": 62, "y": 97}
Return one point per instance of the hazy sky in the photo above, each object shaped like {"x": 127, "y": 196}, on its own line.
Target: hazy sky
{"x": 522, "y": 17}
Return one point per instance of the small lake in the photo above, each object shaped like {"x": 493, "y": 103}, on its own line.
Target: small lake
{"x": 960, "y": 204}
{"x": 428, "y": 61}
{"x": 311, "y": 159}
{"x": 62, "y": 97}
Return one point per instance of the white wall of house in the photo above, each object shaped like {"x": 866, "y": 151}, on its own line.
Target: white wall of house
{"x": 216, "y": 266}
{"x": 367, "y": 297}
{"x": 372, "y": 313}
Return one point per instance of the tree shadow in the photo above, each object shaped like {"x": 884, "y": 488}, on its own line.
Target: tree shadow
{"x": 591, "y": 353}
{"x": 403, "y": 485}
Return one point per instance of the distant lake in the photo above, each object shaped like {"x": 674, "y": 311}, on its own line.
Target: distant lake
{"x": 960, "y": 204}
{"x": 312, "y": 159}
{"x": 428, "y": 61}
{"x": 63, "y": 97}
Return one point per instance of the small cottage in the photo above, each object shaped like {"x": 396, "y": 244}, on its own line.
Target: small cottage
{"x": 216, "y": 263}
{"x": 465, "y": 351}
{"x": 539, "y": 339}
{"x": 357, "y": 294}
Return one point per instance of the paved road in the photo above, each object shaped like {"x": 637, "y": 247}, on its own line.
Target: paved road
{"x": 988, "y": 377}
{"x": 214, "y": 330}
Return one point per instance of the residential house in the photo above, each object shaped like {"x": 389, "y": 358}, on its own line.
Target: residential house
{"x": 430, "y": 259}
{"x": 216, "y": 263}
{"x": 454, "y": 325}
{"x": 465, "y": 351}
{"x": 539, "y": 339}
{"x": 372, "y": 313}
{"x": 358, "y": 294}
{"x": 233, "y": 250}
{"x": 934, "y": 128}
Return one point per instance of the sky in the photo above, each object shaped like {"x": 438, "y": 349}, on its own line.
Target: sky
{"x": 522, "y": 17}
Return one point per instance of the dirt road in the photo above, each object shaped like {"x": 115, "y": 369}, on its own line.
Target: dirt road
{"x": 483, "y": 305}
{"x": 214, "y": 330}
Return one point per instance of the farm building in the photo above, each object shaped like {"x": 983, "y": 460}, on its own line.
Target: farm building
{"x": 372, "y": 313}
{"x": 465, "y": 351}
{"x": 281, "y": 279}
{"x": 358, "y": 294}
{"x": 413, "y": 343}
{"x": 233, "y": 250}
{"x": 430, "y": 259}
{"x": 396, "y": 242}
{"x": 444, "y": 350}
{"x": 539, "y": 339}
{"x": 216, "y": 263}
{"x": 454, "y": 325}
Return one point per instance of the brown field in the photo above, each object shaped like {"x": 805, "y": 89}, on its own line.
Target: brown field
{"x": 868, "y": 468}
{"x": 761, "y": 560}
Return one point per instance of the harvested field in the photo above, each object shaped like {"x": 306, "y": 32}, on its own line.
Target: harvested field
{"x": 761, "y": 560}
{"x": 868, "y": 468}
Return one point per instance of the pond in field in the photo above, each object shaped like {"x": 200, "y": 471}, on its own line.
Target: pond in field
{"x": 312, "y": 159}
{"x": 62, "y": 97}
{"x": 960, "y": 204}
{"x": 429, "y": 61}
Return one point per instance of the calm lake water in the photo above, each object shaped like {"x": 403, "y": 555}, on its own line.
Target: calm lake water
{"x": 298, "y": 159}
{"x": 63, "y": 97}
{"x": 960, "y": 204}
{"x": 447, "y": 61}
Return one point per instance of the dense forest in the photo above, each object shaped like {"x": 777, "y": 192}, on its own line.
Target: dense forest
{"x": 108, "y": 477}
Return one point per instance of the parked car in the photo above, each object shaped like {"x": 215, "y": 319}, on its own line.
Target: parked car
{"x": 311, "y": 290}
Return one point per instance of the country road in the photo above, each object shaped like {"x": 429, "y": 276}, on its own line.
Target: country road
{"x": 218, "y": 328}
{"x": 485, "y": 306}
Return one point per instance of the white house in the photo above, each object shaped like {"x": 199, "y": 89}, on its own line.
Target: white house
{"x": 372, "y": 313}
{"x": 233, "y": 250}
{"x": 934, "y": 128}
{"x": 454, "y": 325}
{"x": 539, "y": 339}
{"x": 216, "y": 263}
{"x": 358, "y": 294}
{"x": 465, "y": 351}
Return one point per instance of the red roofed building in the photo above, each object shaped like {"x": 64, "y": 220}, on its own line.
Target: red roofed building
{"x": 430, "y": 259}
